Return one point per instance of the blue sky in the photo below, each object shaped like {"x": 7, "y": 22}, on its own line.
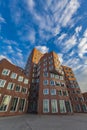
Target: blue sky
{"x": 58, "y": 25}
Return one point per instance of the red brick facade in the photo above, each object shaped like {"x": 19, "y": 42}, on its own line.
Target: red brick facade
{"x": 14, "y": 89}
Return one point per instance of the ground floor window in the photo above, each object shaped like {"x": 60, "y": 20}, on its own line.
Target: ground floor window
{"x": 77, "y": 108}
{"x": 54, "y": 106}
{"x": 68, "y": 106}
{"x": 21, "y": 104}
{"x": 84, "y": 108}
{"x": 14, "y": 103}
{"x": 45, "y": 105}
{"x": 5, "y": 103}
{"x": 62, "y": 106}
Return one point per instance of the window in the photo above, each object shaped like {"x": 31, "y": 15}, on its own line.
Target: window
{"x": 57, "y": 83}
{"x": 53, "y": 91}
{"x": 61, "y": 78}
{"x": 24, "y": 90}
{"x": 20, "y": 78}
{"x": 5, "y": 72}
{"x": 22, "y": 104}
{"x": 45, "y": 91}
{"x": 62, "y": 106}
{"x": 84, "y": 108}
{"x": 17, "y": 88}
{"x": 25, "y": 81}
{"x": 52, "y": 82}
{"x": 45, "y": 74}
{"x": 5, "y": 103}
{"x": 14, "y": 103}
{"x": 54, "y": 106}
{"x": 2, "y": 83}
{"x": 60, "y": 92}
{"x": 45, "y": 105}
{"x": 45, "y": 82}
{"x": 45, "y": 69}
{"x": 51, "y": 61}
{"x": 45, "y": 64}
{"x": 77, "y": 108}
{"x": 56, "y": 76}
{"x": 52, "y": 75}
{"x": 13, "y": 75}
{"x": 65, "y": 93}
{"x": 62, "y": 84}
{"x": 10, "y": 86}
{"x": 51, "y": 67}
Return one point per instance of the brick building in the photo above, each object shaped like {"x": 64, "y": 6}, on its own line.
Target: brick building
{"x": 14, "y": 89}
{"x": 76, "y": 97}
{"x": 53, "y": 87}
{"x": 44, "y": 87}
{"x": 85, "y": 96}
{"x": 50, "y": 91}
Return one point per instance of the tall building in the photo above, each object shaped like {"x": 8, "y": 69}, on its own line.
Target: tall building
{"x": 51, "y": 90}
{"x": 76, "y": 97}
{"x": 14, "y": 89}
{"x": 44, "y": 87}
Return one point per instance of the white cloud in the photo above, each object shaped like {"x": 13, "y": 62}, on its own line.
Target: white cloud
{"x": 7, "y": 41}
{"x": 31, "y": 4}
{"x": 31, "y": 36}
{"x": 10, "y": 49}
{"x": 78, "y": 29}
{"x": 71, "y": 42}
{"x": 42, "y": 49}
{"x": 60, "y": 55}
{"x": 27, "y": 34}
{"x": 82, "y": 78}
{"x": 2, "y": 20}
{"x": 4, "y": 57}
{"x": 83, "y": 45}
{"x": 69, "y": 11}
{"x": 62, "y": 37}
{"x": 20, "y": 56}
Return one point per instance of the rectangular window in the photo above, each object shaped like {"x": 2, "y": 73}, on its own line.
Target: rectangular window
{"x": 5, "y": 72}
{"x": 45, "y": 91}
{"x": 63, "y": 85}
{"x": 2, "y": 83}
{"x": 45, "y": 74}
{"x": 62, "y": 106}
{"x": 24, "y": 90}
{"x": 61, "y": 78}
{"x": 10, "y": 86}
{"x": 22, "y": 104}
{"x": 17, "y": 88}
{"x": 56, "y": 76}
{"x": 20, "y": 78}
{"x": 57, "y": 83}
{"x": 25, "y": 81}
{"x": 52, "y": 75}
{"x": 51, "y": 67}
{"x": 13, "y": 75}
{"x": 53, "y": 91}
{"x": 14, "y": 103}
{"x": 46, "y": 105}
{"x": 5, "y": 103}
{"x": 52, "y": 82}
{"x": 45, "y": 82}
{"x": 60, "y": 93}
{"x": 45, "y": 69}
{"x": 54, "y": 106}
{"x": 65, "y": 93}
{"x": 84, "y": 108}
